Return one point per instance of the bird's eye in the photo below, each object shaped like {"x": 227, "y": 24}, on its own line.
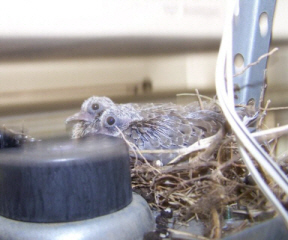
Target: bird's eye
{"x": 110, "y": 120}
{"x": 95, "y": 106}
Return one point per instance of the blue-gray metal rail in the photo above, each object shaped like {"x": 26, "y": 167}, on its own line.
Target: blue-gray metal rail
{"x": 251, "y": 86}
{"x": 252, "y": 26}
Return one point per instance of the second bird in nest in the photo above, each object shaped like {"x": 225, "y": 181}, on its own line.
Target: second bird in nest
{"x": 149, "y": 126}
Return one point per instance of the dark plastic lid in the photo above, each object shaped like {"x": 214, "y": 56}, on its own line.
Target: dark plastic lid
{"x": 64, "y": 180}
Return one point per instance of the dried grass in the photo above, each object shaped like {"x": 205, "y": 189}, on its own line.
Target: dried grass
{"x": 207, "y": 181}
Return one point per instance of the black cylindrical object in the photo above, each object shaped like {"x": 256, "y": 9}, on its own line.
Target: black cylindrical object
{"x": 64, "y": 180}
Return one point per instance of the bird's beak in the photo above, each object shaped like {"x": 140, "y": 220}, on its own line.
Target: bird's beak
{"x": 80, "y": 116}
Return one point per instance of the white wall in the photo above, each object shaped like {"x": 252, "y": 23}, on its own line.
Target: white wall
{"x": 167, "y": 73}
{"x": 23, "y": 76}
{"x": 52, "y": 81}
{"x": 201, "y": 70}
{"x": 58, "y": 80}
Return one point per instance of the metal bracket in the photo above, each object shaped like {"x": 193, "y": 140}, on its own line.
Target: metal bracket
{"x": 252, "y": 25}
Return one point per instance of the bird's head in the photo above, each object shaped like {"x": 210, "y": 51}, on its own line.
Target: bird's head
{"x": 88, "y": 117}
{"x": 115, "y": 119}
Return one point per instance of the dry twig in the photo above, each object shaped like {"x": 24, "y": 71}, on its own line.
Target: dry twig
{"x": 213, "y": 178}
{"x": 256, "y": 62}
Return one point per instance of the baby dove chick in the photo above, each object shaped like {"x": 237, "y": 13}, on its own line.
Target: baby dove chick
{"x": 87, "y": 119}
{"x": 151, "y": 126}
{"x": 167, "y": 129}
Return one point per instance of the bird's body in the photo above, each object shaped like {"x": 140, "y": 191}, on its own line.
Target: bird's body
{"x": 171, "y": 130}
{"x": 150, "y": 126}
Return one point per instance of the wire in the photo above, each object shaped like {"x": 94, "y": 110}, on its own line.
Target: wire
{"x": 261, "y": 183}
{"x": 224, "y": 72}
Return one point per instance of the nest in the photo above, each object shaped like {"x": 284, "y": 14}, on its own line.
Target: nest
{"x": 211, "y": 185}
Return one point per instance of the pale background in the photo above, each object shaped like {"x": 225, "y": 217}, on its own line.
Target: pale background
{"x": 53, "y": 57}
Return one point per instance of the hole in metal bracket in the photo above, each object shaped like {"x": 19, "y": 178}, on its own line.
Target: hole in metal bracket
{"x": 263, "y": 24}
{"x": 238, "y": 62}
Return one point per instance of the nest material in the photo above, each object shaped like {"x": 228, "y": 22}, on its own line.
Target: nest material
{"x": 207, "y": 185}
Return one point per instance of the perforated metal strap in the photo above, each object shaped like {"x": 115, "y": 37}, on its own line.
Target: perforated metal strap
{"x": 251, "y": 39}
